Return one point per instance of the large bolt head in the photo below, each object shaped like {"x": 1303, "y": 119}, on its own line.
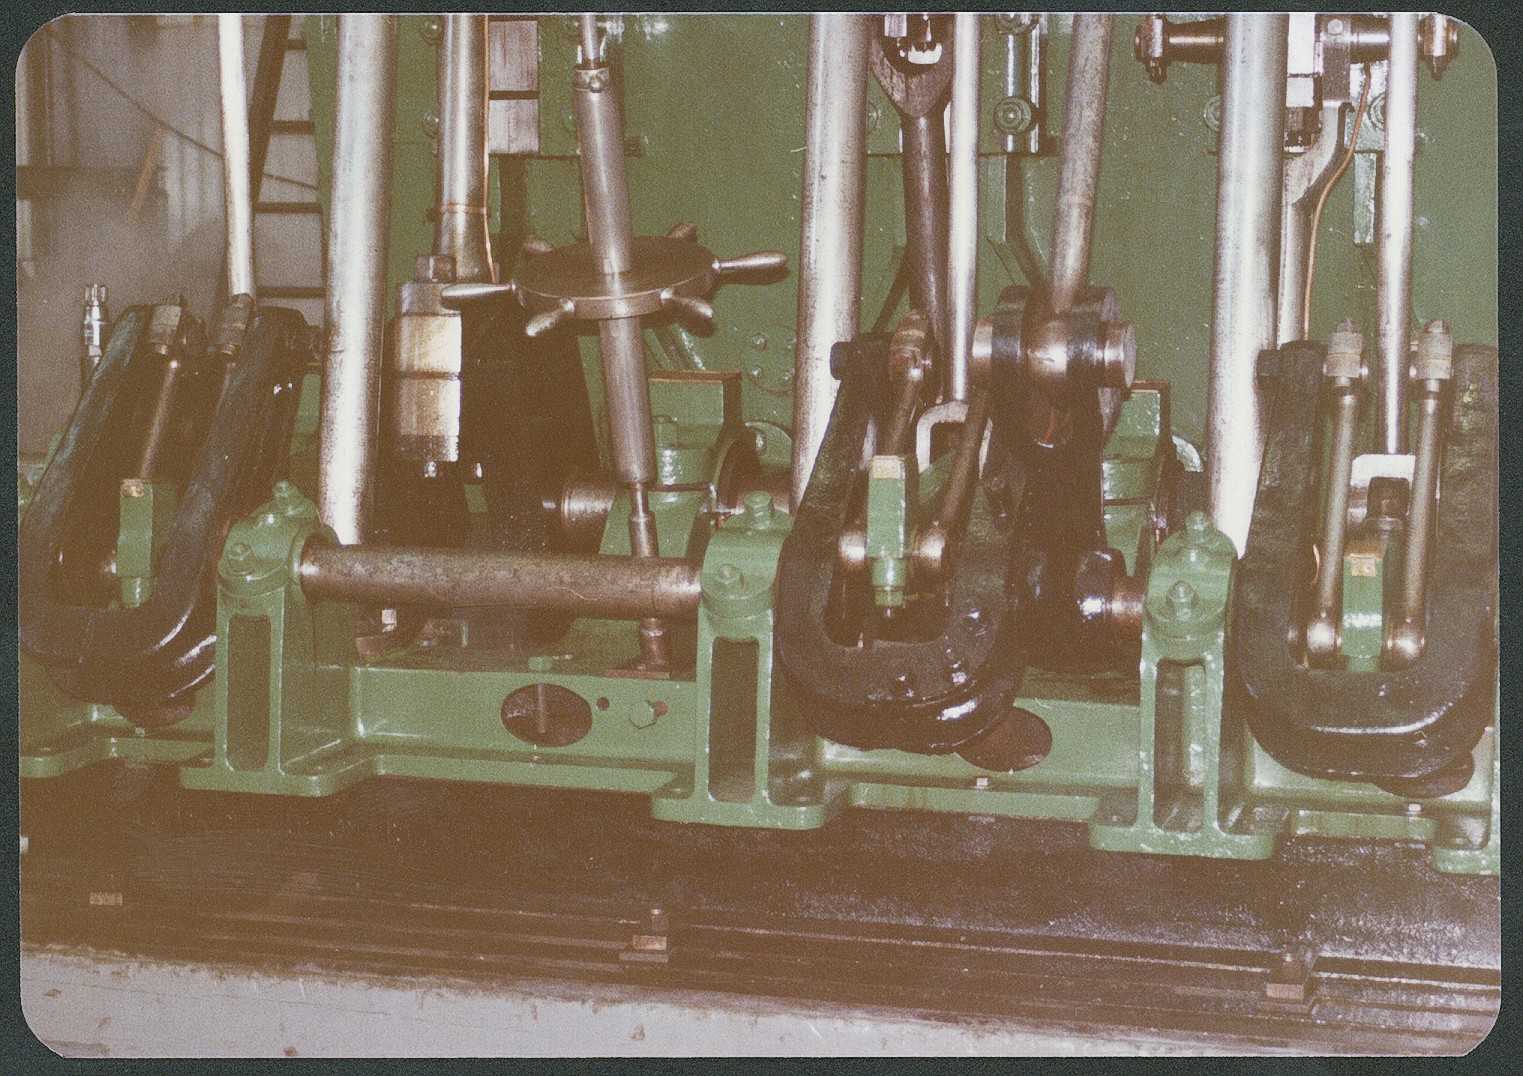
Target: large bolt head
{"x": 239, "y": 555}
{"x": 1012, "y": 115}
{"x": 1182, "y": 600}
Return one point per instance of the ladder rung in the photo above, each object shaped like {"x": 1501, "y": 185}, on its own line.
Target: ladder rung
{"x": 288, "y": 207}
{"x": 291, "y": 291}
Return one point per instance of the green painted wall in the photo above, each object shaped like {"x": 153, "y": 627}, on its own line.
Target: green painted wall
{"x": 717, "y": 104}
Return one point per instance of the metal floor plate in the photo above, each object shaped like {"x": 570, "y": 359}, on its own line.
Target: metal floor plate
{"x": 1331, "y": 947}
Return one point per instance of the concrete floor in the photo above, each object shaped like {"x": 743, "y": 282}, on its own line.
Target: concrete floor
{"x": 81, "y": 1003}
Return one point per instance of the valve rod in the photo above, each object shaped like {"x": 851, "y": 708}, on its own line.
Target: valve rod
{"x": 605, "y": 201}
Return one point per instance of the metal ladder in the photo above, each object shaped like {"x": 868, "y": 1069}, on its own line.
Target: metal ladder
{"x": 288, "y": 230}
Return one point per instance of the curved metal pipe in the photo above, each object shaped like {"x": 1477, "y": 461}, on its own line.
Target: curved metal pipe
{"x": 1079, "y": 166}
{"x": 356, "y": 300}
{"x": 830, "y": 244}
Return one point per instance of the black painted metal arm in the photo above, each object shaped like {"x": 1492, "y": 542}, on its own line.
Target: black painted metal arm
{"x": 1386, "y": 725}
{"x": 926, "y": 696}
{"x": 147, "y": 660}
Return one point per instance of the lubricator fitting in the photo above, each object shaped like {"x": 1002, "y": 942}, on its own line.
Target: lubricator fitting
{"x": 1345, "y": 352}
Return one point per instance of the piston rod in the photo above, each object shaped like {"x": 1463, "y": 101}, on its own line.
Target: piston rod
{"x": 1394, "y": 248}
{"x": 585, "y": 585}
{"x": 830, "y": 246}
{"x": 356, "y": 295}
{"x": 1249, "y": 176}
{"x": 461, "y": 230}
{"x": 925, "y": 211}
{"x": 1079, "y": 165}
{"x": 237, "y": 195}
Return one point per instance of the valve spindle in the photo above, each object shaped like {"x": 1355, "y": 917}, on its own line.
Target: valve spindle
{"x": 616, "y": 278}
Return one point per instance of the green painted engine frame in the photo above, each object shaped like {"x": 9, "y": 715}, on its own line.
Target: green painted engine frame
{"x": 1156, "y": 762}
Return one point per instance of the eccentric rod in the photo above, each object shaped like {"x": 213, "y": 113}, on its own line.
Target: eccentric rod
{"x": 1079, "y": 165}
{"x": 1342, "y": 375}
{"x": 237, "y": 194}
{"x": 356, "y": 297}
{"x": 582, "y": 584}
{"x": 1433, "y": 369}
{"x": 830, "y": 246}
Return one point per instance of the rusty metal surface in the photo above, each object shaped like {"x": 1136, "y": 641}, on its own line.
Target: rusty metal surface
{"x": 1333, "y": 947}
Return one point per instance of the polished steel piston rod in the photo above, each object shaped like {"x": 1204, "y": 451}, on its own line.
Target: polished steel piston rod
{"x": 830, "y": 247}
{"x": 1393, "y": 296}
{"x": 356, "y": 293}
{"x": 461, "y": 230}
{"x": 1249, "y": 173}
{"x": 237, "y": 195}
{"x": 581, "y": 584}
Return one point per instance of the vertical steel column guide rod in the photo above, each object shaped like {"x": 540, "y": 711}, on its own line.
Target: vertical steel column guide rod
{"x": 962, "y": 185}
{"x": 236, "y": 184}
{"x": 356, "y": 300}
{"x": 1249, "y": 173}
{"x": 830, "y": 246}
